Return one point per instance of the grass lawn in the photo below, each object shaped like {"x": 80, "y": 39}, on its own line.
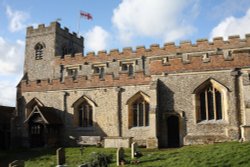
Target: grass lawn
{"x": 223, "y": 154}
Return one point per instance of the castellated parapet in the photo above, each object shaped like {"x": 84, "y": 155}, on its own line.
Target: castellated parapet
{"x": 187, "y": 57}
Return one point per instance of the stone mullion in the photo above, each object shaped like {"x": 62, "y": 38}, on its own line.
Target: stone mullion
{"x": 206, "y": 103}
{"x": 87, "y": 115}
{"x": 214, "y": 104}
{"x": 144, "y": 113}
{"x": 138, "y": 114}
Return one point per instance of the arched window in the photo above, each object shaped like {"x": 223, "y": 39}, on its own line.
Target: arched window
{"x": 211, "y": 100}
{"x": 84, "y": 109}
{"x": 85, "y": 115}
{"x": 210, "y": 104}
{"x": 39, "y": 51}
{"x": 138, "y": 108}
{"x": 140, "y": 113}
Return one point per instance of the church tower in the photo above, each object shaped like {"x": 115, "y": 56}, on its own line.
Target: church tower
{"x": 46, "y": 44}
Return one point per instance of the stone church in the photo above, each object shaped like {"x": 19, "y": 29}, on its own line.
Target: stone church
{"x": 165, "y": 96}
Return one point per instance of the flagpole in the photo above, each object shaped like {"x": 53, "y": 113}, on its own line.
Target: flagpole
{"x": 78, "y": 26}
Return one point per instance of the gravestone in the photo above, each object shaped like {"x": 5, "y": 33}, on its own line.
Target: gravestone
{"x": 120, "y": 156}
{"x": 134, "y": 149}
{"x": 17, "y": 163}
{"x": 60, "y": 155}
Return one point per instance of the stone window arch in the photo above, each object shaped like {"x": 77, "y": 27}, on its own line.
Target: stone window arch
{"x": 84, "y": 112}
{"x": 39, "y": 51}
{"x": 138, "y": 110}
{"x": 211, "y": 101}
{"x": 85, "y": 115}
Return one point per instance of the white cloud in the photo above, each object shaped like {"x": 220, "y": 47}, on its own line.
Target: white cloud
{"x": 232, "y": 26}
{"x": 17, "y": 19}
{"x": 11, "y": 57}
{"x": 166, "y": 19}
{"x": 7, "y": 93}
{"x": 97, "y": 39}
{"x": 11, "y": 63}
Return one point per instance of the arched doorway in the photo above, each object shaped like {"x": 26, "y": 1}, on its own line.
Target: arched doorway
{"x": 173, "y": 131}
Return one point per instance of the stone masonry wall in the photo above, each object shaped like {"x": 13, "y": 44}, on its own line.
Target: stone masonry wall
{"x": 105, "y": 114}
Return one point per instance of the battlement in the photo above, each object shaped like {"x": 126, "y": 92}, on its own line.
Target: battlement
{"x": 52, "y": 28}
{"x": 201, "y": 46}
{"x": 83, "y": 82}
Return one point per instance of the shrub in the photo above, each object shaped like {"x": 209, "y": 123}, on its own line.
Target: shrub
{"x": 100, "y": 159}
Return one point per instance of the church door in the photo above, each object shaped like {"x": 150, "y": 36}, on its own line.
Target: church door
{"x": 173, "y": 131}
{"x": 37, "y": 135}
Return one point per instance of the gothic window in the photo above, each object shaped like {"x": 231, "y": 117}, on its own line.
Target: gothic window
{"x": 39, "y": 51}
{"x": 140, "y": 113}
{"x": 138, "y": 107}
{"x": 85, "y": 115}
{"x": 210, "y": 101}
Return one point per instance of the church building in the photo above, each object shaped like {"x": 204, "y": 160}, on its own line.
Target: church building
{"x": 161, "y": 96}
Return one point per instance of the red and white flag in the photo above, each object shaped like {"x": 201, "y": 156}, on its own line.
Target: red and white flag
{"x": 86, "y": 15}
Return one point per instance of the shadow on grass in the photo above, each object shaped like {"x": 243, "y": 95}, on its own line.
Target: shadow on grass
{"x": 7, "y": 156}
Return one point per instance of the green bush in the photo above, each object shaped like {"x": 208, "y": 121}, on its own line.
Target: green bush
{"x": 100, "y": 159}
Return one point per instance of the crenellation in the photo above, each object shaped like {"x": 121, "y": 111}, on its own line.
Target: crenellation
{"x": 102, "y": 53}
{"x": 170, "y": 47}
{"x": 90, "y": 54}
{"x": 187, "y": 44}
{"x": 41, "y": 26}
{"x": 66, "y": 29}
{"x": 235, "y": 39}
{"x": 154, "y": 47}
{"x": 127, "y": 50}
{"x": 202, "y": 43}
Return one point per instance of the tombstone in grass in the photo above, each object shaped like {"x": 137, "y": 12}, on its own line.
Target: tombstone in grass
{"x": 17, "y": 163}
{"x": 60, "y": 155}
{"x": 134, "y": 149}
{"x": 120, "y": 156}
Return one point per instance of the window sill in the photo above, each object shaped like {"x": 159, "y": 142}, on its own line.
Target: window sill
{"x": 139, "y": 127}
{"x": 212, "y": 122}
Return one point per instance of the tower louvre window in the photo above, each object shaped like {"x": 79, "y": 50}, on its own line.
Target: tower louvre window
{"x": 39, "y": 49}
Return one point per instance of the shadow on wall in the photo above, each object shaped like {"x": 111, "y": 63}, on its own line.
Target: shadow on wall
{"x": 71, "y": 134}
{"x": 165, "y": 97}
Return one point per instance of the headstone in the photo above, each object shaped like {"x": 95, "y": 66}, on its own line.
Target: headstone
{"x": 17, "y": 163}
{"x": 120, "y": 156}
{"x": 60, "y": 155}
{"x": 134, "y": 149}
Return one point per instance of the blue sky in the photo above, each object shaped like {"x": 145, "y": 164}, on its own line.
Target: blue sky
{"x": 115, "y": 24}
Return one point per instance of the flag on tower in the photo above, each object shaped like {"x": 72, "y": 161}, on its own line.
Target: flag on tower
{"x": 88, "y": 16}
